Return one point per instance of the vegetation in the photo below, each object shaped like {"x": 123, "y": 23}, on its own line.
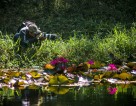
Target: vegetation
{"x": 98, "y": 37}
{"x": 89, "y": 29}
{"x": 121, "y": 43}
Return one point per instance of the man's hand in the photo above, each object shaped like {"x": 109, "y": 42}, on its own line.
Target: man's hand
{"x": 40, "y": 37}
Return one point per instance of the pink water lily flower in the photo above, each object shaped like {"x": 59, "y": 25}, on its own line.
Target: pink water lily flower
{"x": 54, "y": 62}
{"x": 62, "y": 60}
{"x": 59, "y": 60}
{"x": 112, "y": 67}
{"x": 112, "y": 90}
{"x": 91, "y": 62}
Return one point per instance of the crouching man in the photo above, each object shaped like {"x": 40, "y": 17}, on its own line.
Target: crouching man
{"x": 29, "y": 34}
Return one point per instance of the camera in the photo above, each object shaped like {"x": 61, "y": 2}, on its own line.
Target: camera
{"x": 50, "y": 36}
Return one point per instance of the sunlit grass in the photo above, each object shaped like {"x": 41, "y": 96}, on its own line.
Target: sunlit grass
{"x": 120, "y": 42}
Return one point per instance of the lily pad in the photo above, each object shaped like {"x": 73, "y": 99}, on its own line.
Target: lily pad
{"x": 58, "y": 90}
{"x": 58, "y": 80}
{"x": 131, "y": 64}
{"x": 125, "y": 76}
{"x": 35, "y": 74}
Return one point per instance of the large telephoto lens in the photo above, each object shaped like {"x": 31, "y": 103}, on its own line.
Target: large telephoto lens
{"x": 51, "y": 36}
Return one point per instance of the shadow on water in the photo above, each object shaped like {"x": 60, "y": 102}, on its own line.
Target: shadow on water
{"x": 93, "y": 95}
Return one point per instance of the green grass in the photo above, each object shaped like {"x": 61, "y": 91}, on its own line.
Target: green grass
{"x": 120, "y": 41}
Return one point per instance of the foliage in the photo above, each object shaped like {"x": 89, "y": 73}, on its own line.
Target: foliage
{"x": 58, "y": 90}
{"x": 92, "y": 31}
{"x": 67, "y": 16}
{"x": 58, "y": 80}
{"x": 82, "y": 73}
{"x": 120, "y": 42}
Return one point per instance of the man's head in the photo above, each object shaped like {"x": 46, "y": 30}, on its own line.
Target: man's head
{"x": 33, "y": 29}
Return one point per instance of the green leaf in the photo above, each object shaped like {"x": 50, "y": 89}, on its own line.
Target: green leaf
{"x": 33, "y": 87}
{"x": 59, "y": 90}
{"x": 125, "y": 76}
{"x": 58, "y": 80}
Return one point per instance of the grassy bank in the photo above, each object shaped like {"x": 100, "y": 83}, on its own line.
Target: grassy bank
{"x": 89, "y": 29}
{"x": 120, "y": 41}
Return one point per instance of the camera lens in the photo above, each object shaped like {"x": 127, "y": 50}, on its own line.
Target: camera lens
{"x": 51, "y": 36}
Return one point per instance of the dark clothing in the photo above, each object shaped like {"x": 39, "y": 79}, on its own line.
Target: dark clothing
{"x": 24, "y": 38}
{"x": 29, "y": 34}
{"x": 28, "y": 40}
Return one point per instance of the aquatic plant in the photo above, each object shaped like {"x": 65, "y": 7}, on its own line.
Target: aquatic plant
{"x": 112, "y": 67}
{"x": 59, "y": 60}
{"x": 112, "y": 90}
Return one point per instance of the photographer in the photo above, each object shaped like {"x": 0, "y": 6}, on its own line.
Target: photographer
{"x": 29, "y": 37}
{"x": 28, "y": 34}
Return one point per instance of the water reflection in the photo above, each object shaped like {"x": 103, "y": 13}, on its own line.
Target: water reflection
{"x": 93, "y": 95}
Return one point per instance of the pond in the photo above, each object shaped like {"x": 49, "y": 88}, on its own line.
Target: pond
{"x": 82, "y": 85}
{"x": 97, "y": 94}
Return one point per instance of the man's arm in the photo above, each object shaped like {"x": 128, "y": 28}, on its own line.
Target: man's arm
{"x": 24, "y": 39}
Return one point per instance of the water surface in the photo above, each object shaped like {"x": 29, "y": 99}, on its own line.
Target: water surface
{"x": 93, "y": 95}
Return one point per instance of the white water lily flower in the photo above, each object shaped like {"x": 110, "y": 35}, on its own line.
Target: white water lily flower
{"x": 133, "y": 72}
{"x": 30, "y": 81}
{"x": 111, "y": 80}
{"x": 81, "y": 79}
{"x": 28, "y": 75}
{"x": 12, "y": 81}
{"x": 23, "y": 81}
